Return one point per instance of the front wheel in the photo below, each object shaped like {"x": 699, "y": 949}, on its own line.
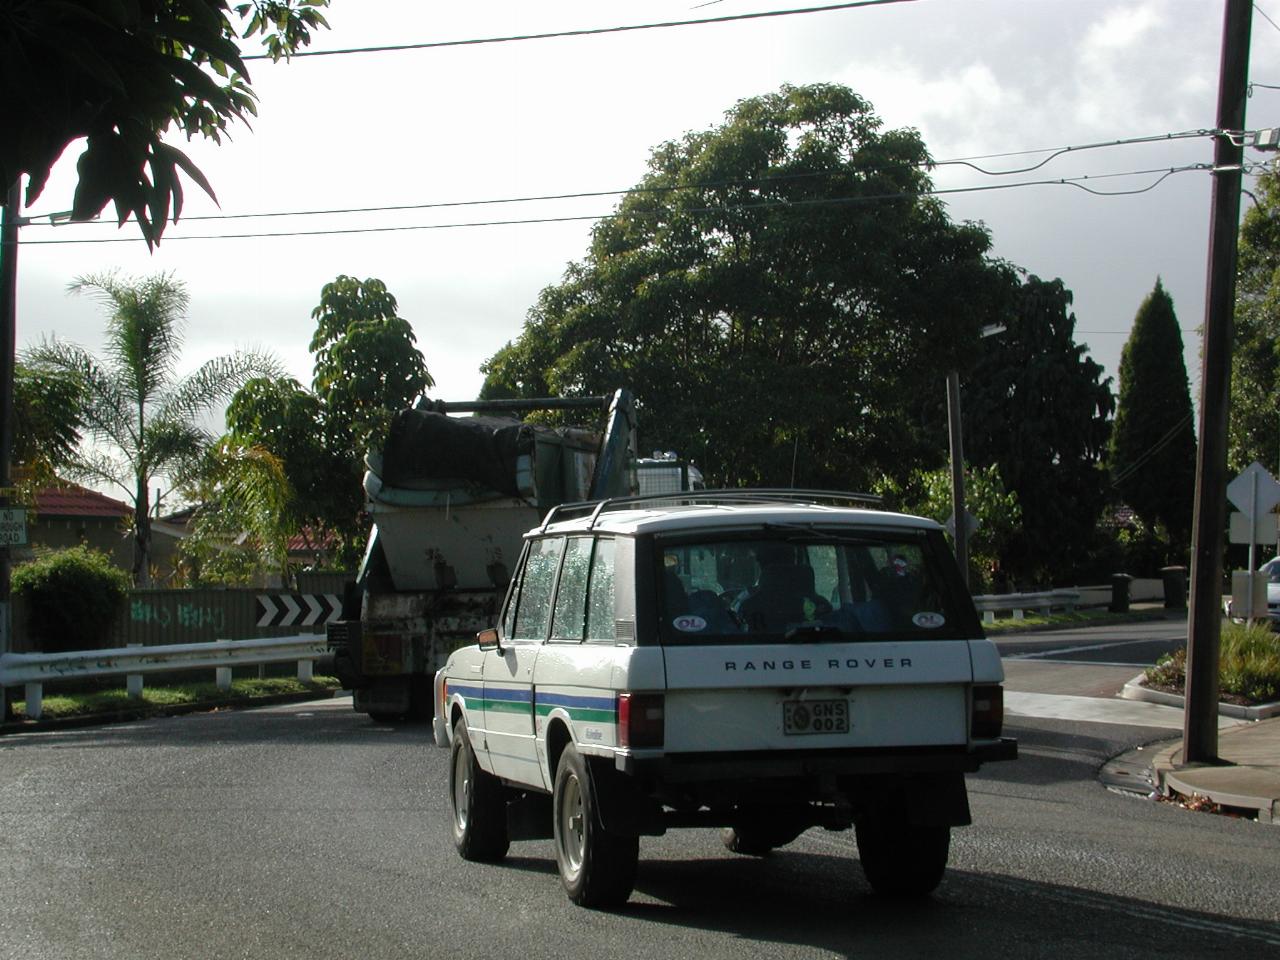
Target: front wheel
{"x": 597, "y": 868}
{"x": 479, "y": 803}
{"x": 901, "y": 860}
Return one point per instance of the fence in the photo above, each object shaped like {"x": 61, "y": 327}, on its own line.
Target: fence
{"x": 1019, "y": 603}
{"x": 1141, "y": 590}
{"x": 33, "y": 670}
{"x": 166, "y": 617}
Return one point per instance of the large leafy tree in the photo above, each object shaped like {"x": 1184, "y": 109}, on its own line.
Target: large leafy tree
{"x": 928, "y": 493}
{"x": 120, "y": 74}
{"x": 1254, "y": 431}
{"x": 1038, "y": 407}
{"x": 1153, "y": 444}
{"x": 367, "y": 366}
{"x": 777, "y": 291}
{"x": 144, "y": 418}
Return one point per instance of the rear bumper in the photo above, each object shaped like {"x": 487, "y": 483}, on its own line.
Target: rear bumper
{"x": 702, "y": 767}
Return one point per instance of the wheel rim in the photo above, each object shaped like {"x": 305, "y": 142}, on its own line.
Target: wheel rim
{"x": 461, "y": 788}
{"x": 572, "y": 829}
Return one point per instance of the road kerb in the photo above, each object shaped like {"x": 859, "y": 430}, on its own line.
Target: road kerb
{"x": 1135, "y": 689}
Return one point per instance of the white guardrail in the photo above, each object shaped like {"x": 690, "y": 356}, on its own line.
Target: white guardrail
{"x": 1019, "y": 603}
{"x": 33, "y": 670}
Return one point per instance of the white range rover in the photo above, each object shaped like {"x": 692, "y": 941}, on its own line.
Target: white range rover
{"x": 760, "y": 661}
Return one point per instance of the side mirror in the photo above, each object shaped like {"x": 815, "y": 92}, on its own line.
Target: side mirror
{"x": 488, "y": 639}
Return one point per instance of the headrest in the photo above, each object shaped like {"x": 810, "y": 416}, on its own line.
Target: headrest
{"x": 788, "y": 578}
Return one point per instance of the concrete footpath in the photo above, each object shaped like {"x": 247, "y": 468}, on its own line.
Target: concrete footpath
{"x": 1248, "y": 780}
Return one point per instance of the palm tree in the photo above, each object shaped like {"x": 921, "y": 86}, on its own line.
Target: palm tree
{"x": 47, "y": 423}
{"x": 143, "y": 418}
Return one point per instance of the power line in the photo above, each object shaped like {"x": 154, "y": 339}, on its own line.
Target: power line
{"x": 696, "y": 185}
{"x": 1077, "y": 182}
{"x": 1060, "y": 151}
{"x": 1265, "y": 17}
{"x": 587, "y": 32}
{"x": 1146, "y": 456}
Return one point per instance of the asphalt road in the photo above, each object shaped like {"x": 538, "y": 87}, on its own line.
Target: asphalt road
{"x": 311, "y": 832}
{"x": 1139, "y": 643}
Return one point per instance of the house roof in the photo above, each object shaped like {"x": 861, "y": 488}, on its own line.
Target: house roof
{"x": 73, "y": 500}
{"x": 312, "y": 540}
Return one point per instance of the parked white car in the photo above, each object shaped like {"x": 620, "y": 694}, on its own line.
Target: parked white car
{"x": 760, "y": 661}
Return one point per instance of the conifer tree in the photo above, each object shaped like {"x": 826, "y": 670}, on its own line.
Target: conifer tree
{"x": 1153, "y": 445}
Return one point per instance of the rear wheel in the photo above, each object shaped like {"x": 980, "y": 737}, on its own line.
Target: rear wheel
{"x": 597, "y": 868}
{"x": 479, "y": 803}
{"x": 902, "y": 860}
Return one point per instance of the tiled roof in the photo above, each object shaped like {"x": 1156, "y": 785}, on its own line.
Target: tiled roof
{"x": 71, "y": 500}
{"x": 319, "y": 540}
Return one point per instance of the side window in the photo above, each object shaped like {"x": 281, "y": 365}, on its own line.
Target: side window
{"x": 533, "y": 609}
{"x": 571, "y": 596}
{"x": 600, "y": 613}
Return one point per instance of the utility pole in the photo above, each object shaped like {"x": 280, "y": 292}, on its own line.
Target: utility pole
{"x": 9, "y": 223}
{"x": 1200, "y": 731}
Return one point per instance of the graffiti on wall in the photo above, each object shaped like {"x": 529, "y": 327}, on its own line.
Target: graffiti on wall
{"x": 179, "y": 616}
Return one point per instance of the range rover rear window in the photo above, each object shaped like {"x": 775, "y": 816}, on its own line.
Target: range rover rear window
{"x": 812, "y": 586}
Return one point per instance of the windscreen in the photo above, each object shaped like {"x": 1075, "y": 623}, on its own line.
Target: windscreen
{"x": 813, "y": 586}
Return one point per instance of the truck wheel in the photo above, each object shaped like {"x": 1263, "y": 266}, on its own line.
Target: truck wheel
{"x": 901, "y": 860}
{"x": 479, "y": 804}
{"x": 758, "y": 839}
{"x": 597, "y": 868}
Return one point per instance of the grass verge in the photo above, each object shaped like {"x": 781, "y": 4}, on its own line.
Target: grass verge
{"x": 158, "y": 699}
{"x": 1248, "y": 666}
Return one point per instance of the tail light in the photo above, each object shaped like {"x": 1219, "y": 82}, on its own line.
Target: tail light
{"x": 988, "y": 711}
{"x": 640, "y": 720}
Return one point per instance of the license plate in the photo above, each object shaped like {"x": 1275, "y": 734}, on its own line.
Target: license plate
{"x": 815, "y": 716}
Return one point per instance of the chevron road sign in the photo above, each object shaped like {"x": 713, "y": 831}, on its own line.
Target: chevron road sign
{"x": 298, "y": 609}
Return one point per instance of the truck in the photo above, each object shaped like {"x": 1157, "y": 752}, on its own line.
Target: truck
{"x": 449, "y": 498}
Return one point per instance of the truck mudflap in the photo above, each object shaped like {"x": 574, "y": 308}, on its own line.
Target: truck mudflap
{"x": 343, "y": 640}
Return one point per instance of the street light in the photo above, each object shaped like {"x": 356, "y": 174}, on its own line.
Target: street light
{"x": 960, "y": 518}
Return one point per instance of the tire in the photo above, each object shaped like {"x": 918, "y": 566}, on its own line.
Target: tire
{"x": 479, "y": 804}
{"x": 597, "y": 868}
{"x": 901, "y": 860}
{"x": 759, "y": 839}
{"x": 422, "y": 704}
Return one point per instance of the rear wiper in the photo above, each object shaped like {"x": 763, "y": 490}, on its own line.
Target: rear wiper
{"x": 820, "y": 632}
{"x": 812, "y": 533}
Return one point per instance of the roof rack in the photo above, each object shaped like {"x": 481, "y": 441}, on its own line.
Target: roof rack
{"x": 744, "y": 495}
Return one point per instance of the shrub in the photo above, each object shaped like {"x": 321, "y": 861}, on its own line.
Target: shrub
{"x": 1248, "y": 664}
{"x": 72, "y": 598}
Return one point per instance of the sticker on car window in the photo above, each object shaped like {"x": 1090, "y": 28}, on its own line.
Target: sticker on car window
{"x": 689, "y": 624}
{"x": 928, "y": 620}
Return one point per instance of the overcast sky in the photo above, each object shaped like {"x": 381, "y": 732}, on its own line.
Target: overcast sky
{"x": 506, "y": 120}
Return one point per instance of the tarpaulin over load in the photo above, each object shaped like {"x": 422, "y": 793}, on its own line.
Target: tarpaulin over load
{"x": 424, "y": 446}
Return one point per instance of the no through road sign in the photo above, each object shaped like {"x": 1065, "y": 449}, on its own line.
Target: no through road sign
{"x": 13, "y": 527}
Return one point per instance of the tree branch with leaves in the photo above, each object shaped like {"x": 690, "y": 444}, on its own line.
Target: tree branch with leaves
{"x": 119, "y": 75}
